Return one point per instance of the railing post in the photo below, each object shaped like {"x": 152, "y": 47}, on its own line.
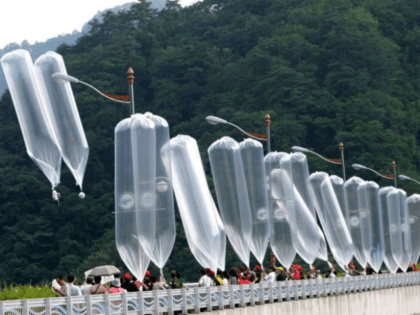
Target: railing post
{"x": 184, "y": 301}
{"x": 125, "y": 303}
{"x": 69, "y": 306}
{"x": 232, "y": 297}
{"x": 89, "y": 305}
{"x": 48, "y": 307}
{"x": 25, "y": 308}
{"x": 221, "y": 304}
{"x": 141, "y": 303}
{"x": 156, "y": 300}
{"x": 197, "y": 301}
{"x": 288, "y": 290}
{"x": 311, "y": 288}
{"x": 107, "y": 304}
{"x": 304, "y": 282}
{"x": 262, "y": 293}
{"x": 1, "y": 307}
{"x": 279, "y": 295}
{"x": 318, "y": 290}
{"x": 170, "y": 302}
{"x": 209, "y": 299}
{"x": 242, "y": 296}
{"x": 271, "y": 286}
{"x": 252, "y": 294}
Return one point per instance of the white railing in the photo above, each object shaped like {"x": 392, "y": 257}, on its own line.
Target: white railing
{"x": 205, "y": 299}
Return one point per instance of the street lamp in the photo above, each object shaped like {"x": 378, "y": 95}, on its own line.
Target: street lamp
{"x": 213, "y": 120}
{"x": 333, "y": 161}
{"x": 403, "y": 177}
{"x": 359, "y": 167}
{"x": 64, "y": 78}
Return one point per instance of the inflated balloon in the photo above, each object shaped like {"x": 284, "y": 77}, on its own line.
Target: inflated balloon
{"x": 301, "y": 182}
{"x": 281, "y": 238}
{"x": 63, "y": 115}
{"x": 135, "y": 185}
{"x": 165, "y": 213}
{"x": 406, "y": 231}
{"x": 413, "y": 206}
{"x": 307, "y": 238}
{"x": 389, "y": 260}
{"x": 338, "y": 186}
{"x": 232, "y": 195}
{"x": 332, "y": 219}
{"x": 29, "y": 102}
{"x": 371, "y": 215}
{"x": 253, "y": 163}
{"x": 201, "y": 221}
{"x": 355, "y": 223}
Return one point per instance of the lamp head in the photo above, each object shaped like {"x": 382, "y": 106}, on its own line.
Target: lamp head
{"x": 215, "y": 120}
{"x": 62, "y": 78}
{"x": 358, "y": 167}
{"x": 403, "y": 177}
{"x": 299, "y": 149}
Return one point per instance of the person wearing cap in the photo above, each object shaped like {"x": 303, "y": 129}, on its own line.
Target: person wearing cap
{"x": 116, "y": 287}
{"x": 282, "y": 274}
{"x": 128, "y": 284}
{"x": 147, "y": 282}
{"x": 415, "y": 269}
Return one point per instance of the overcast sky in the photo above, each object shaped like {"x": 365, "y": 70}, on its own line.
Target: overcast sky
{"x": 38, "y": 20}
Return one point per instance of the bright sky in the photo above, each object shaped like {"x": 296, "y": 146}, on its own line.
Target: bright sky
{"x": 42, "y": 19}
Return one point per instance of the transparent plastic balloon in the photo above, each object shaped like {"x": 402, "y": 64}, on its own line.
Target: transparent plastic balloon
{"x": 62, "y": 111}
{"x": 199, "y": 215}
{"x": 135, "y": 177}
{"x": 232, "y": 195}
{"x": 165, "y": 214}
{"x": 338, "y": 186}
{"x": 413, "y": 206}
{"x": 29, "y": 102}
{"x": 307, "y": 238}
{"x": 400, "y": 232}
{"x": 355, "y": 223}
{"x": 394, "y": 215}
{"x": 389, "y": 259}
{"x": 332, "y": 219}
{"x": 281, "y": 238}
{"x": 301, "y": 182}
{"x": 371, "y": 215}
{"x": 253, "y": 163}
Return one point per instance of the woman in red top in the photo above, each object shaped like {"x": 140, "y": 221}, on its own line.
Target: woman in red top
{"x": 116, "y": 287}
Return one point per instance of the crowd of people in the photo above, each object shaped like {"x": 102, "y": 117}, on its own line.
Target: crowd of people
{"x": 207, "y": 278}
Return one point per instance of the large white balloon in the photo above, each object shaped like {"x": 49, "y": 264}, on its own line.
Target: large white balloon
{"x": 253, "y": 163}
{"x": 165, "y": 215}
{"x": 389, "y": 260}
{"x": 135, "y": 185}
{"x": 413, "y": 205}
{"x": 356, "y": 217}
{"x": 332, "y": 219}
{"x": 200, "y": 218}
{"x": 62, "y": 112}
{"x": 232, "y": 195}
{"x": 29, "y": 102}
{"x": 371, "y": 215}
{"x": 281, "y": 236}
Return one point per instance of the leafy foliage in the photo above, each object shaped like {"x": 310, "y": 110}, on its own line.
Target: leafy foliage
{"x": 326, "y": 71}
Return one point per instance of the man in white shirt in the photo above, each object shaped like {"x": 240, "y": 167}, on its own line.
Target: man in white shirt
{"x": 86, "y": 288}
{"x": 71, "y": 289}
{"x": 271, "y": 277}
{"x": 56, "y": 285}
{"x": 205, "y": 280}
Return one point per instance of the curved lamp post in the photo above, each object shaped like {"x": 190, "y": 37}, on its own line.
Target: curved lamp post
{"x": 213, "y": 120}
{"x": 359, "y": 167}
{"x": 332, "y": 161}
{"x": 64, "y": 78}
{"x": 403, "y": 177}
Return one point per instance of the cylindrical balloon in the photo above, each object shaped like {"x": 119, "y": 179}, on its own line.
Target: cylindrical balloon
{"x": 338, "y": 186}
{"x": 407, "y": 250}
{"x": 307, "y": 239}
{"x": 62, "y": 112}
{"x": 389, "y": 260}
{"x": 281, "y": 238}
{"x": 28, "y": 99}
{"x": 371, "y": 216}
{"x": 413, "y": 206}
{"x": 394, "y": 215}
{"x": 355, "y": 215}
{"x": 165, "y": 214}
{"x": 232, "y": 195}
{"x": 135, "y": 172}
{"x": 332, "y": 219}
{"x": 301, "y": 182}
{"x": 195, "y": 203}
{"x": 253, "y": 163}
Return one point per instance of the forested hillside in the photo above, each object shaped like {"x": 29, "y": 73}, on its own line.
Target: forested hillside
{"x": 327, "y": 71}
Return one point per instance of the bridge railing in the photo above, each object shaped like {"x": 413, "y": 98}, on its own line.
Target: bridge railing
{"x": 205, "y": 299}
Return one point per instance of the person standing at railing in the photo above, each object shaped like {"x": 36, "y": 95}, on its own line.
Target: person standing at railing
{"x": 98, "y": 288}
{"x": 70, "y": 289}
{"x": 116, "y": 287}
{"x": 128, "y": 284}
{"x": 233, "y": 277}
{"x": 86, "y": 288}
{"x": 271, "y": 277}
{"x": 282, "y": 274}
{"x": 56, "y": 285}
{"x": 205, "y": 280}
{"x": 225, "y": 278}
{"x": 158, "y": 285}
